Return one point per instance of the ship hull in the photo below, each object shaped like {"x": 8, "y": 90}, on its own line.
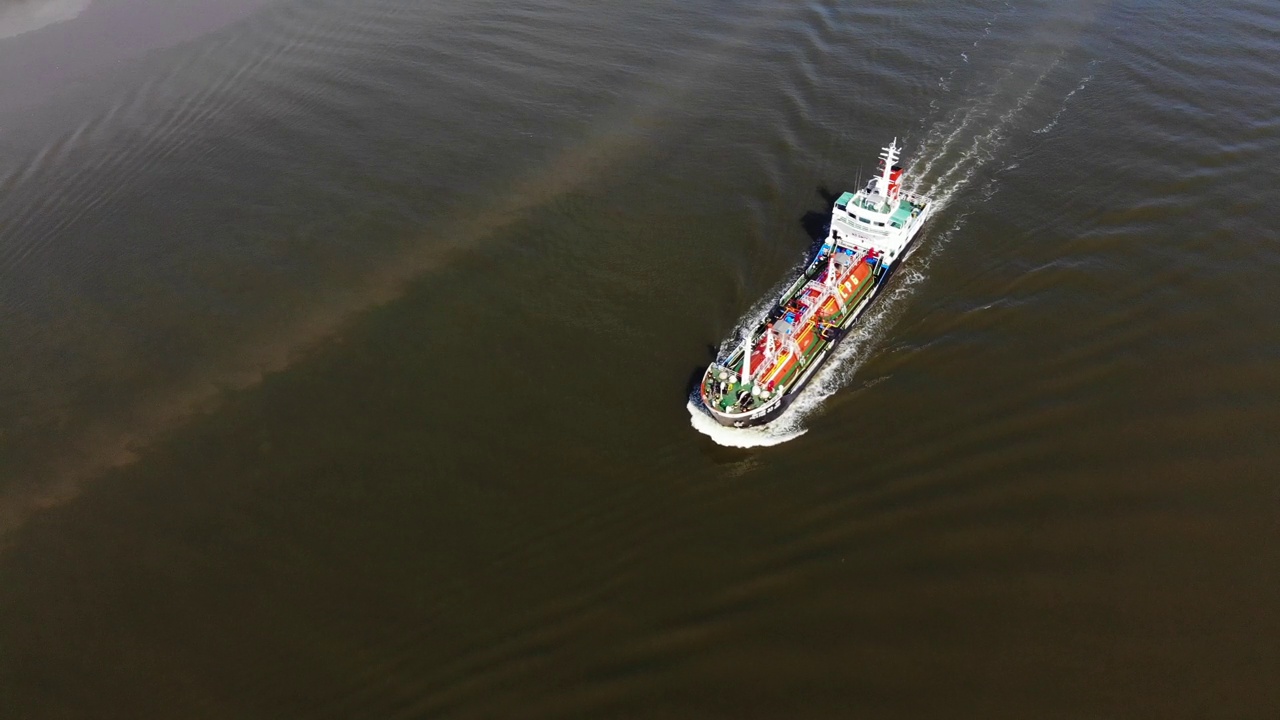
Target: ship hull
{"x": 769, "y": 414}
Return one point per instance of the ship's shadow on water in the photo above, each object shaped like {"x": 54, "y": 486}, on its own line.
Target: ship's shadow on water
{"x": 816, "y": 222}
{"x": 695, "y": 375}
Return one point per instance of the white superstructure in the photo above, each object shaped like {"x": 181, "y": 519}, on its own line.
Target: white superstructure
{"x": 882, "y": 216}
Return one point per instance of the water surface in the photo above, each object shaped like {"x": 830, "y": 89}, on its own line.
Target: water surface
{"x": 345, "y": 351}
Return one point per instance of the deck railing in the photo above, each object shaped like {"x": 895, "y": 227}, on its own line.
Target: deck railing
{"x": 914, "y": 198}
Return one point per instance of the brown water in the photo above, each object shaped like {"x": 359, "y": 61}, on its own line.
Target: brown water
{"x": 345, "y": 350}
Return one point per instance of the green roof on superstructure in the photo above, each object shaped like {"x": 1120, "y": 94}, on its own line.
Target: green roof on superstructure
{"x": 903, "y": 213}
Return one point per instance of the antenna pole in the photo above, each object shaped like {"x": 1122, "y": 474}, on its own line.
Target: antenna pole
{"x": 890, "y": 157}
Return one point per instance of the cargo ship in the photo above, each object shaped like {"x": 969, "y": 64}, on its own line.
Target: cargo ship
{"x": 871, "y": 232}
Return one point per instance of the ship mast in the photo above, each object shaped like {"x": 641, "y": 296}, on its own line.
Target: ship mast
{"x": 746, "y": 360}
{"x": 889, "y": 156}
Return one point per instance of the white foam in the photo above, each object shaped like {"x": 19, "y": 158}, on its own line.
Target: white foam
{"x": 983, "y": 146}
{"x": 1053, "y": 121}
{"x": 774, "y": 433}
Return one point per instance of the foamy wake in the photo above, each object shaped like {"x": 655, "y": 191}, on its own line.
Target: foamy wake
{"x": 944, "y": 82}
{"x": 781, "y": 430}
{"x": 1053, "y": 121}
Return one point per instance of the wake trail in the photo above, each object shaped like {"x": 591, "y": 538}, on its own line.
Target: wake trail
{"x": 1053, "y": 121}
{"x": 982, "y": 146}
{"x": 944, "y": 82}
